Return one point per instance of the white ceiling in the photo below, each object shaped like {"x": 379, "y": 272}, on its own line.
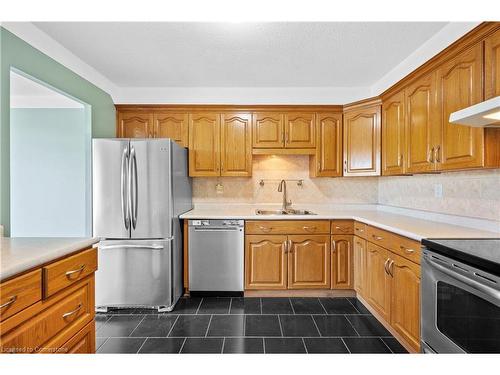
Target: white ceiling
{"x": 328, "y": 54}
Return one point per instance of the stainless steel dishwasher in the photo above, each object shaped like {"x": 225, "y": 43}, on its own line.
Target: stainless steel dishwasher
{"x": 216, "y": 257}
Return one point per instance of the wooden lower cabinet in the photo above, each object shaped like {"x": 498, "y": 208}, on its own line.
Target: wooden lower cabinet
{"x": 378, "y": 280}
{"x": 81, "y": 343}
{"x": 265, "y": 262}
{"x": 308, "y": 261}
{"x": 359, "y": 256}
{"x": 405, "y": 299}
{"x": 342, "y": 262}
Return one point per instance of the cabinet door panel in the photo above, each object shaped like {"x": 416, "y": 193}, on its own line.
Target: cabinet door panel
{"x": 359, "y": 265}
{"x": 460, "y": 86}
{"x": 204, "y": 144}
{"x": 173, "y": 126}
{"x": 300, "y": 130}
{"x": 236, "y": 144}
{"x": 342, "y": 262}
{"x": 327, "y": 162}
{"x": 265, "y": 262}
{"x": 135, "y": 125}
{"x": 405, "y": 299}
{"x": 393, "y": 135}
{"x": 268, "y": 130}
{"x": 309, "y": 262}
{"x": 362, "y": 142}
{"x": 422, "y": 125}
{"x": 378, "y": 281}
{"x": 492, "y": 66}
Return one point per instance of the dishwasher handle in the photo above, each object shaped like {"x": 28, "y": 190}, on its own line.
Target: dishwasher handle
{"x": 217, "y": 229}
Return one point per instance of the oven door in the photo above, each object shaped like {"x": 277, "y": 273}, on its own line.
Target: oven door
{"x": 460, "y": 307}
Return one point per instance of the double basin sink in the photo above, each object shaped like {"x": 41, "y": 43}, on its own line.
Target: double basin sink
{"x": 288, "y": 211}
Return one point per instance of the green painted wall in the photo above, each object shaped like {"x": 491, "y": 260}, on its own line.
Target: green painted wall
{"x": 16, "y": 53}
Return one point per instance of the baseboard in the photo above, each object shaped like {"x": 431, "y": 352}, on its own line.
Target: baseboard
{"x": 301, "y": 293}
{"x": 393, "y": 332}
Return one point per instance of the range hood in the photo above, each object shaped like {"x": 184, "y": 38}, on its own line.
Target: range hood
{"x": 484, "y": 114}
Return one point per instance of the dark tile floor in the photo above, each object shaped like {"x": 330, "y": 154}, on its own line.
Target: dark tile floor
{"x": 246, "y": 325}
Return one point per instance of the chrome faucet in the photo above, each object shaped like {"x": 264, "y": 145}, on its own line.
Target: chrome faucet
{"x": 282, "y": 188}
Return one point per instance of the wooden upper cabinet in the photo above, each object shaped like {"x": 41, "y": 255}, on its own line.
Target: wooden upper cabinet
{"x": 265, "y": 262}
{"x": 309, "y": 261}
{"x": 460, "y": 86}
{"x": 362, "y": 141}
{"x": 204, "y": 144}
{"x": 492, "y": 65}
{"x": 135, "y": 125}
{"x": 405, "y": 299}
{"x": 327, "y": 162}
{"x": 378, "y": 281}
{"x": 422, "y": 125}
{"x": 393, "y": 135}
{"x": 268, "y": 130}
{"x": 342, "y": 262}
{"x": 171, "y": 125}
{"x": 300, "y": 130}
{"x": 236, "y": 144}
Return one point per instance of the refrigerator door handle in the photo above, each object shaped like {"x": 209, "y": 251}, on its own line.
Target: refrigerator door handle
{"x": 121, "y": 246}
{"x": 132, "y": 192}
{"x": 123, "y": 186}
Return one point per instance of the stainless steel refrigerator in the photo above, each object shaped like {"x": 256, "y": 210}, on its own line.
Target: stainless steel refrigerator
{"x": 140, "y": 187}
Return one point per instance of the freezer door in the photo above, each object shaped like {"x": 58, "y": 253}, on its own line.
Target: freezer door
{"x": 110, "y": 188}
{"x": 134, "y": 273}
{"x": 150, "y": 188}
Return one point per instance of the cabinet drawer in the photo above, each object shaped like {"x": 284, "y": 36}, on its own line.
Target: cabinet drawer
{"x": 409, "y": 249}
{"x": 288, "y": 227}
{"x": 360, "y": 229}
{"x": 81, "y": 343}
{"x": 19, "y": 293}
{"x": 379, "y": 237}
{"x": 50, "y": 328}
{"x": 61, "y": 274}
{"x": 342, "y": 227}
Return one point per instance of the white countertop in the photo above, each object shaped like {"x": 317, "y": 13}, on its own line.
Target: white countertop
{"x": 405, "y": 225}
{"x": 23, "y": 253}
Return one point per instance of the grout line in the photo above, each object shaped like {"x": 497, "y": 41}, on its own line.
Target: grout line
{"x": 291, "y": 304}
{"x": 352, "y": 325}
{"x": 105, "y": 341}
{"x": 305, "y": 346}
{"x": 326, "y": 312}
{"x": 230, "y": 305}
{"x": 264, "y": 345}
{"x": 260, "y": 301}
{"x": 352, "y": 304}
{"x": 138, "y": 350}
{"x": 281, "y": 328}
{"x": 209, "y": 322}
{"x": 138, "y": 324}
{"x": 182, "y": 346}
{"x": 349, "y": 350}
{"x": 223, "y": 343}
{"x": 316, "y": 325}
{"x": 198, "y": 309}
{"x": 173, "y": 325}
{"x": 381, "y": 339}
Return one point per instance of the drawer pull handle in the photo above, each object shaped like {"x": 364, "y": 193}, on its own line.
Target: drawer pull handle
{"x": 407, "y": 250}
{"x": 334, "y": 245}
{"x": 265, "y": 229}
{"x": 309, "y": 229}
{"x": 9, "y": 302}
{"x": 360, "y": 230}
{"x": 342, "y": 229}
{"x": 72, "y": 312}
{"x": 69, "y": 273}
{"x": 378, "y": 238}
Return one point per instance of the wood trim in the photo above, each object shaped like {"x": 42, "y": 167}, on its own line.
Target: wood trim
{"x": 284, "y": 151}
{"x": 185, "y": 263}
{"x": 360, "y": 104}
{"x": 474, "y": 36}
{"x": 228, "y": 107}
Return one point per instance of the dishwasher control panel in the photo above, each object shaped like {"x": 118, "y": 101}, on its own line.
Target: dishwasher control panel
{"x": 216, "y": 222}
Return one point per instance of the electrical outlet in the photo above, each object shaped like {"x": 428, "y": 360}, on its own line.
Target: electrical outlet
{"x": 219, "y": 188}
{"x": 438, "y": 190}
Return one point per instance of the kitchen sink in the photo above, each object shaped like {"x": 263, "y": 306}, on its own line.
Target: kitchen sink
{"x": 289, "y": 211}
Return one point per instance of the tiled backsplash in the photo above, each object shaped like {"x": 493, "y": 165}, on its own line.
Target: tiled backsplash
{"x": 472, "y": 193}
{"x": 314, "y": 190}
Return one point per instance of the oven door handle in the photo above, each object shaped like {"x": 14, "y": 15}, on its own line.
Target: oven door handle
{"x": 466, "y": 280}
